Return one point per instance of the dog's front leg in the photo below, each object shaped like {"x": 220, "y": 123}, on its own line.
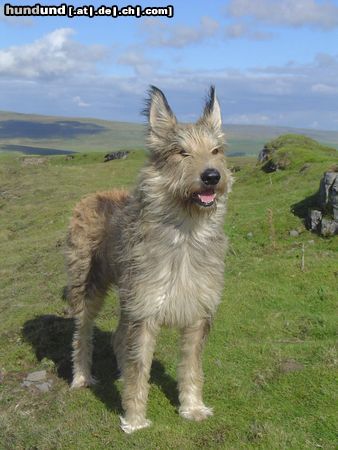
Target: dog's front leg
{"x": 190, "y": 373}
{"x": 136, "y": 370}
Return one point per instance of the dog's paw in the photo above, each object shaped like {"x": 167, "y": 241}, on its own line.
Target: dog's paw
{"x": 133, "y": 425}
{"x": 196, "y": 413}
{"x": 81, "y": 381}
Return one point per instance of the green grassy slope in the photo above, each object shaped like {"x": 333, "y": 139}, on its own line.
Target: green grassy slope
{"x": 88, "y": 135}
{"x": 270, "y": 360}
{"x": 291, "y": 151}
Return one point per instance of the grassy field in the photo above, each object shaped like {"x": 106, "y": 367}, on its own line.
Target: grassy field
{"x": 270, "y": 362}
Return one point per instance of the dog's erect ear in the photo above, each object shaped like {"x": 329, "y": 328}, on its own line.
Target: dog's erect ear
{"x": 212, "y": 111}
{"x": 160, "y": 116}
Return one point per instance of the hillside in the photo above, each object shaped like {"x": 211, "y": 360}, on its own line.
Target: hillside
{"x": 270, "y": 362}
{"x": 292, "y": 151}
{"x": 33, "y": 134}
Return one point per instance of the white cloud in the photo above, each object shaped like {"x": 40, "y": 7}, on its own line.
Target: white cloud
{"x": 322, "y": 88}
{"x": 241, "y": 30}
{"x": 79, "y": 102}
{"x": 55, "y": 54}
{"x": 313, "y": 13}
{"x": 57, "y": 75}
{"x": 248, "y": 119}
{"x": 135, "y": 58}
{"x": 163, "y": 34}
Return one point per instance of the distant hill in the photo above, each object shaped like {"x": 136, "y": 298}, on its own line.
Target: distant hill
{"x": 36, "y": 134}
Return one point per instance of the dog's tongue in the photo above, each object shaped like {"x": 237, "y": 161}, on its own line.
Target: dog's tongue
{"x": 207, "y": 196}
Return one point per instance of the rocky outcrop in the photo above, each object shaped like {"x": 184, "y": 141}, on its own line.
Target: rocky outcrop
{"x": 268, "y": 160}
{"x": 323, "y": 217}
{"x": 116, "y": 155}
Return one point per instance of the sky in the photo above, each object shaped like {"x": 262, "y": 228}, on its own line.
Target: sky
{"x": 272, "y": 62}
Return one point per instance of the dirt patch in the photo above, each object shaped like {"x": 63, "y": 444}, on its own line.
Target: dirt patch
{"x": 290, "y": 365}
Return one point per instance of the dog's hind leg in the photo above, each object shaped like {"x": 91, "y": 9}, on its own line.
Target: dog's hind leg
{"x": 90, "y": 273}
{"x": 140, "y": 346}
{"x": 190, "y": 373}
{"x": 86, "y": 300}
{"x": 83, "y": 343}
{"x": 88, "y": 284}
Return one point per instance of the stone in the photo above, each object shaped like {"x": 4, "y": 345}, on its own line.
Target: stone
{"x": 264, "y": 155}
{"x": 328, "y": 190}
{"x": 293, "y": 233}
{"x": 43, "y": 387}
{"x": 314, "y": 219}
{"x": 35, "y": 377}
{"x": 249, "y": 235}
{"x": 116, "y": 155}
{"x": 323, "y": 216}
{"x": 329, "y": 227}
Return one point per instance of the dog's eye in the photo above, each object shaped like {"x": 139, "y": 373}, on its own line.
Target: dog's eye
{"x": 215, "y": 151}
{"x": 184, "y": 153}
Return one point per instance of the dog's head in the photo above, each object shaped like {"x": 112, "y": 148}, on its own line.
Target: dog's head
{"x": 189, "y": 157}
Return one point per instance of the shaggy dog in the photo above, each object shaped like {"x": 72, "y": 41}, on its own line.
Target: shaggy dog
{"x": 163, "y": 248}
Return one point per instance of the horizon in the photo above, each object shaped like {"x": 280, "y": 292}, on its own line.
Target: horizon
{"x": 144, "y": 123}
{"x": 273, "y": 64}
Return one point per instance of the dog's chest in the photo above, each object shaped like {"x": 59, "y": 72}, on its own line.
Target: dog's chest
{"x": 181, "y": 276}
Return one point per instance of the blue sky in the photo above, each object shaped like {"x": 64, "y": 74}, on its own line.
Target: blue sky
{"x": 273, "y": 62}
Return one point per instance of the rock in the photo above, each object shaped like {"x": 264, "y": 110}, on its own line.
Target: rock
{"x": 329, "y": 227}
{"x": 37, "y": 380}
{"x": 323, "y": 215}
{"x": 328, "y": 190}
{"x": 311, "y": 242}
{"x": 33, "y": 161}
{"x": 40, "y": 375}
{"x": 270, "y": 166}
{"x": 314, "y": 219}
{"x": 293, "y": 233}
{"x": 116, "y": 155}
{"x": 43, "y": 387}
{"x": 249, "y": 235}
{"x": 264, "y": 154}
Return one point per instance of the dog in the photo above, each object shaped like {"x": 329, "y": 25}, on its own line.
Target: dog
{"x": 163, "y": 247}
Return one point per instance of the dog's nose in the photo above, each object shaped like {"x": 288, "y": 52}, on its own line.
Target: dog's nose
{"x": 210, "y": 176}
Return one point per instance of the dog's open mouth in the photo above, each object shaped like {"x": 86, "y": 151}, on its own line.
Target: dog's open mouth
{"x": 204, "y": 198}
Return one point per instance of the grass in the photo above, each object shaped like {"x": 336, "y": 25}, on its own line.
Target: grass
{"x": 270, "y": 360}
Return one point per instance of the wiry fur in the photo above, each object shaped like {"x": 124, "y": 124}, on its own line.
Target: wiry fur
{"x": 162, "y": 250}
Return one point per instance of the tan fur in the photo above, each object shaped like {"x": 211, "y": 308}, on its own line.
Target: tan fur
{"x": 162, "y": 250}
